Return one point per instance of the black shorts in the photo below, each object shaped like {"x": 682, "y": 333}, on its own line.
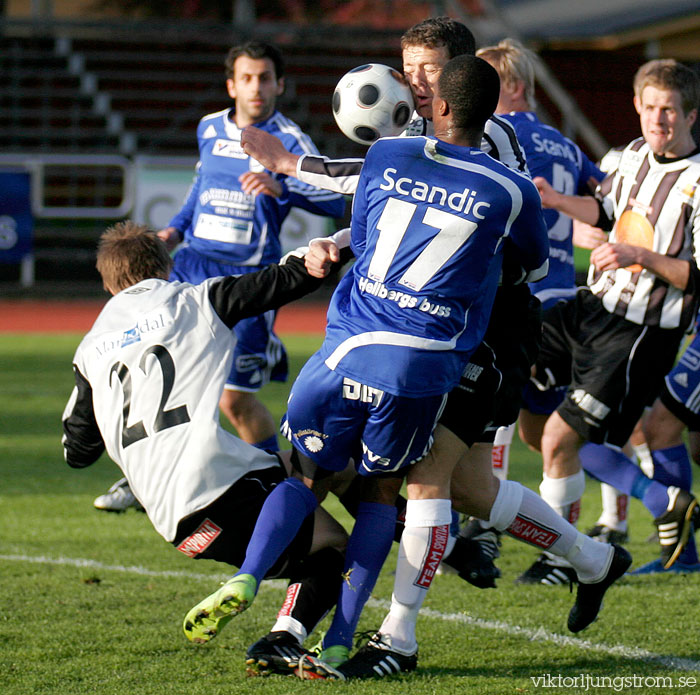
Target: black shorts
{"x": 221, "y": 531}
{"x": 481, "y": 404}
{"x": 515, "y": 334}
{"x": 469, "y": 409}
{"x": 614, "y": 368}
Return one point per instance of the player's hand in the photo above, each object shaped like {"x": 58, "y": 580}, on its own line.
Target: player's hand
{"x": 609, "y": 256}
{"x": 170, "y": 236}
{"x": 268, "y": 149}
{"x": 587, "y": 237}
{"x": 257, "y": 182}
{"x": 321, "y": 255}
{"x": 547, "y": 193}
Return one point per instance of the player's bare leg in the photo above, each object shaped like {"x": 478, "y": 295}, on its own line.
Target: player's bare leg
{"x": 251, "y": 418}
{"x": 530, "y": 428}
{"x": 562, "y": 487}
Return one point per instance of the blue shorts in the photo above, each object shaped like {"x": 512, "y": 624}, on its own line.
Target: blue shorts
{"x": 553, "y": 295}
{"x": 681, "y": 390}
{"x": 258, "y": 356}
{"x": 331, "y": 419}
{"x": 542, "y": 402}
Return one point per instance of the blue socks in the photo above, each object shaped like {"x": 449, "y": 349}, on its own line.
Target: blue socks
{"x": 616, "y": 469}
{"x": 279, "y": 521}
{"x": 368, "y": 547}
{"x": 672, "y": 467}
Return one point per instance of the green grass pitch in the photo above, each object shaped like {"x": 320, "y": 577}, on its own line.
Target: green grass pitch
{"x": 93, "y": 603}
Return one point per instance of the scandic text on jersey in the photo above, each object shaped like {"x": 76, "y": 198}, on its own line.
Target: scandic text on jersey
{"x": 459, "y": 201}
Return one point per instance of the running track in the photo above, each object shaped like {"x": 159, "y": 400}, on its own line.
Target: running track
{"x": 53, "y": 316}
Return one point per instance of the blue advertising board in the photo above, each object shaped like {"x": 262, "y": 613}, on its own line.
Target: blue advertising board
{"x": 16, "y": 221}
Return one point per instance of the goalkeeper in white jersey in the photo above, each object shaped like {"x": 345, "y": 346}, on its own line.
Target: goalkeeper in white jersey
{"x": 148, "y": 377}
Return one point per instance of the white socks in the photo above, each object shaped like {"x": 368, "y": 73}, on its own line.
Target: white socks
{"x": 564, "y": 494}
{"x": 423, "y": 544}
{"x": 530, "y": 519}
{"x": 614, "y": 514}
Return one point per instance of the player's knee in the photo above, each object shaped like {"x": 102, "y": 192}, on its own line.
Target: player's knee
{"x": 662, "y": 428}
{"x": 236, "y": 405}
{"x": 560, "y": 443}
{"x": 475, "y": 501}
{"x": 381, "y": 489}
{"x": 533, "y": 440}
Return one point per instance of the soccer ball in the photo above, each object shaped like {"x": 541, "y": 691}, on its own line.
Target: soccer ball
{"x": 372, "y": 101}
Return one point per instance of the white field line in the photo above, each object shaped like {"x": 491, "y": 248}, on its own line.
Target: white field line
{"x": 530, "y": 634}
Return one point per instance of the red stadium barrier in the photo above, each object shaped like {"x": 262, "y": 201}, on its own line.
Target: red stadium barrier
{"x": 20, "y": 316}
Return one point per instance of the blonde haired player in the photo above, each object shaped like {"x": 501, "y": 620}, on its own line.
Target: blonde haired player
{"x": 615, "y": 343}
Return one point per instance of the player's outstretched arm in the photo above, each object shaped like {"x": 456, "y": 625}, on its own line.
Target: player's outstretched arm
{"x": 268, "y": 149}
{"x": 584, "y": 208}
{"x": 241, "y": 296}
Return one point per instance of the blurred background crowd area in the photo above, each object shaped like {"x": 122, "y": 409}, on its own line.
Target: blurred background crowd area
{"x": 100, "y": 99}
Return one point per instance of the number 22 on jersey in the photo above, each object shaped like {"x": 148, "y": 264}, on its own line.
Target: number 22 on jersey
{"x": 163, "y": 418}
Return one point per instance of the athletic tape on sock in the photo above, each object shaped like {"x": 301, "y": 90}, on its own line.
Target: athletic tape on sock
{"x": 433, "y": 512}
{"x": 506, "y": 505}
{"x": 560, "y": 492}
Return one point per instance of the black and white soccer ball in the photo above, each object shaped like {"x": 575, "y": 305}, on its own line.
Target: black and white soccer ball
{"x": 372, "y": 101}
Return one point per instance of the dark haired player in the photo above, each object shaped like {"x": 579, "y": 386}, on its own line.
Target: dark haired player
{"x": 231, "y": 220}
{"x": 474, "y": 489}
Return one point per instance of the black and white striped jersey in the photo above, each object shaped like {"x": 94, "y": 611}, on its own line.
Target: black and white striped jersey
{"x": 341, "y": 175}
{"x": 655, "y": 203}
{"x": 499, "y": 141}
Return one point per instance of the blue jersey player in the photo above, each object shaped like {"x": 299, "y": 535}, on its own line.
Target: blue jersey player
{"x": 231, "y": 222}
{"x": 431, "y": 220}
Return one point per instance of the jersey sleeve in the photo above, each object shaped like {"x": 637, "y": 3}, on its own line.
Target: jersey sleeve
{"x": 309, "y": 196}
{"x": 340, "y": 175}
{"x": 358, "y": 223}
{"x": 606, "y": 203}
{"x": 242, "y": 296}
{"x": 82, "y": 440}
{"x": 695, "y": 231}
{"x": 183, "y": 219}
{"x": 588, "y": 174}
{"x": 315, "y": 200}
{"x": 501, "y": 143}
{"x": 528, "y": 234}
